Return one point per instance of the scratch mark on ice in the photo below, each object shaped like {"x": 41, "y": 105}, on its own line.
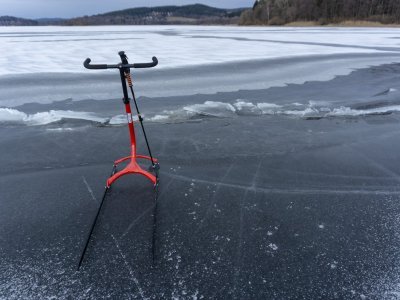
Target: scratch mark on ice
{"x": 237, "y": 268}
{"x": 253, "y": 184}
{"x": 89, "y": 189}
{"x": 212, "y": 202}
{"x": 131, "y": 273}
{"x": 134, "y": 222}
{"x": 292, "y": 191}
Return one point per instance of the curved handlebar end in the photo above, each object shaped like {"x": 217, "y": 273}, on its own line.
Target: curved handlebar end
{"x": 86, "y": 63}
{"x": 147, "y": 65}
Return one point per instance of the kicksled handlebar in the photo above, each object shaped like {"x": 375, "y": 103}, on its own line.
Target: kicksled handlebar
{"x": 87, "y": 65}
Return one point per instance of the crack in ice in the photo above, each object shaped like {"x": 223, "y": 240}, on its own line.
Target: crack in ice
{"x": 89, "y": 189}
{"x": 131, "y": 273}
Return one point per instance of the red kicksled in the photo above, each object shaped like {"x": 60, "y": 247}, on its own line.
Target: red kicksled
{"x": 132, "y": 167}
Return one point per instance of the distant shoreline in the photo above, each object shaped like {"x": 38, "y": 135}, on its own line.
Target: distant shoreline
{"x": 361, "y": 24}
{"x": 203, "y": 15}
{"x": 344, "y": 24}
{"x": 366, "y": 24}
{"x": 292, "y": 24}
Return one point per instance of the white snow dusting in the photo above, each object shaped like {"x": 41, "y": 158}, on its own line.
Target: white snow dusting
{"x": 39, "y": 49}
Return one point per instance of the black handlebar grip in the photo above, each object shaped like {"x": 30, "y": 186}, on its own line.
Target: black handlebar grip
{"x": 147, "y": 65}
{"x": 87, "y": 65}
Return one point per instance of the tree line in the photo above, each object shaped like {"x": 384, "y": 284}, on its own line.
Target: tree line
{"x": 279, "y": 12}
{"x": 195, "y": 14}
{"x": 13, "y": 21}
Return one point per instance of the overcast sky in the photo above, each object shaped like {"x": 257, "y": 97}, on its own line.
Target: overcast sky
{"x": 74, "y": 8}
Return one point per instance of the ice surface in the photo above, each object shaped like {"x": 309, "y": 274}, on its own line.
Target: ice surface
{"x": 313, "y": 109}
{"x": 268, "y": 108}
{"x": 8, "y": 115}
{"x": 211, "y": 108}
{"x": 120, "y": 119}
{"x": 247, "y": 108}
{"x": 159, "y": 118}
{"x": 346, "y": 111}
{"x": 192, "y": 60}
{"x": 63, "y": 49}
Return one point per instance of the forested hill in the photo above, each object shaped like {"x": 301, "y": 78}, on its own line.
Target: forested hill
{"x": 188, "y": 14}
{"x": 264, "y": 12}
{"x": 12, "y": 21}
{"x": 279, "y": 12}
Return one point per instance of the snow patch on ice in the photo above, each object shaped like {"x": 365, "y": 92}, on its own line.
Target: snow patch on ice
{"x": 195, "y": 112}
{"x": 347, "y": 111}
{"x": 269, "y": 108}
{"x": 273, "y": 246}
{"x": 211, "y": 108}
{"x": 300, "y": 113}
{"x": 246, "y": 108}
{"x": 61, "y": 129}
{"x": 118, "y": 120}
{"x": 121, "y": 119}
{"x": 159, "y": 118}
{"x": 322, "y": 110}
{"x": 9, "y": 115}
{"x": 40, "y": 53}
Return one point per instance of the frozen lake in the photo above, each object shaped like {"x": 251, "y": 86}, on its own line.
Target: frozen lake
{"x": 44, "y": 65}
{"x": 192, "y": 59}
{"x": 279, "y": 163}
{"x": 62, "y": 49}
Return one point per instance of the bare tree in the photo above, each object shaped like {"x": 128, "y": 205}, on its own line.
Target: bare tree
{"x": 323, "y": 11}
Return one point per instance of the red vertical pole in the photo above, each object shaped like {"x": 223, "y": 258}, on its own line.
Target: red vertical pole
{"x": 131, "y": 129}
